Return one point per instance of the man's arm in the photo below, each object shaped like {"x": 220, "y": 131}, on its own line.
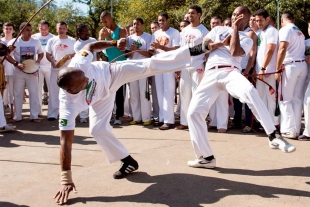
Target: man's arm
{"x": 252, "y": 53}
{"x": 268, "y": 55}
{"x": 100, "y": 45}
{"x": 281, "y": 55}
{"x": 40, "y": 56}
{"x": 235, "y": 46}
{"x": 20, "y": 66}
{"x": 50, "y": 58}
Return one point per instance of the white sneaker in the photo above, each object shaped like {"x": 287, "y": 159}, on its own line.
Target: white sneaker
{"x": 291, "y": 135}
{"x": 282, "y": 144}
{"x": 117, "y": 122}
{"x": 202, "y": 163}
{"x": 83, "y": 120}
{"x": 8, "y": 127}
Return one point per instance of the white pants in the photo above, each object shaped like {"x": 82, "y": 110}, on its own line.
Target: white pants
{"x": 44, "y": 72}
{"x": 165, "y": 87}
{"x": 2, "y": 117}
{"x": 219, "y": 111}
{"x": 84, "y": 114}
{"x": 53, "y": 100}
{"x": 154, "y": 99}
{"x": 293, "y": 80}
{"x": 8, "y": 94}
{"x": 140, "y": 105}
{"x": 121, "y": 73}
{"x": 213, "y": 82}
{"x": 307, "y": 111}
{"x": 189, "y": 81}
{"x": 127, "y": 108}
{"x": 20, "y": 79}
{"x": 268, "y": 99}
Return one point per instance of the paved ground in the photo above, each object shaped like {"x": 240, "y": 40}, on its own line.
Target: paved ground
{"x": 248, "y": 172}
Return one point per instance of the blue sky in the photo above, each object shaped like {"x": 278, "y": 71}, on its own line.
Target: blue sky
{"x": 83, "y": 7}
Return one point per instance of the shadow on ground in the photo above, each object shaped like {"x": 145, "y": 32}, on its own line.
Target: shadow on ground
{"x": 192, "y": 190}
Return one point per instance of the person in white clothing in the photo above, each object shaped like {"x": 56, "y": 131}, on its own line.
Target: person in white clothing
{"x": 163, "y": 40}
{"x": 57, "y": 48}
{"x": 45, "y": 65}
{"x": 291, "y": 56}
{"x": 85, "y": 84}
{"x": 266, "y": 61}
{"x": 139, "y": 89}
{"x": 8, "y": 94}
{"x": 83, "y": 38}
{"x": 227, "y": 45}
{"x": 306, "y": 134}
{"x": 26, "y": 48}
{"x": 191, "y": 35}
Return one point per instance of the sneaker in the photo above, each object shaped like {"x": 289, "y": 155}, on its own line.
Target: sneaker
{"x": 291, "y": 135}
{"x": 83, "y": 120}
{"x": 117, "y": 122}
{"x": 146, "y": 123}
{"x": 8, "y": 127}
{"x": 202, "y": 163}
{"x": 247, "y": 129}
{"x": 135, "y": 122}
{"x": 303, "y": 138}
{"x": 128, "y": 166}
{"x": 51, "y": 119}
{"x": 279, "y": 143}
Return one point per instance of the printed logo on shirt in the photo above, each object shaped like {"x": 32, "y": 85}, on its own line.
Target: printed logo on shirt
{"x": 190, "y": 38}
{"x": 27, "y": 53}
{"x": 90, "y": 91}
{"x": 163, "y": 40}
{"x": 223, "y": 36}
{"x": 83, "y": 53}
{"x": 259, "y": 41}
{"x": 61, "y": 47}
{"x": 138, "y": 43}
{"x": 43, "y": 42}
{"x": 63, "y": 122}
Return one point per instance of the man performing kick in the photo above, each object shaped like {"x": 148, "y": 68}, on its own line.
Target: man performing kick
{"x": 227, "y": 46}
{"x": 94, "y": 84}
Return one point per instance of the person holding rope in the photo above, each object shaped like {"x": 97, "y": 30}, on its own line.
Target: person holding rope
{"x": 226, "y": 45}
{"x": 86, "y": 84}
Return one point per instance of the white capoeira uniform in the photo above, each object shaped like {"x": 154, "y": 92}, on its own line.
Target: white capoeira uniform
{"x": 268, "y": 36}
{"x": 78, "y": 45}
{"x": 140, "y": 104}
{"x": 293, "y": 79}
{"x": 104, "y": 81}
{"x": 165, "y": 83}
{"x": 8, "y": 94}
{"x": 190, "y": 77}
{"x": 2, "y": 117}
{"x": 58, "y": 48}
{"x": 223, "y": 73}
{"x": 219, "y": 111}
{"x": 45, "y": 66}
{"x": 307, "y": 95}
{"x": 25, "y": 50}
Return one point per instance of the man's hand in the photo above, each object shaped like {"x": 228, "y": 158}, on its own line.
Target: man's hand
{"x": 104, "y": 33}
{"x": 133, "y": 47}
{"x": 155, "y": 45}
{"x": 11, "y": 48}
{"x": 62, "y": 195}
{"x": 121, "y": 44}
{"x": 238, "y": 21}
{"x": 20, "y": 66}
{"x": 226, "y": 41}
{"x": 277, "y": 76}
{"x": 259, "y": 74}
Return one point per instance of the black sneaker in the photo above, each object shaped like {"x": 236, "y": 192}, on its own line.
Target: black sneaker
{"x": 128, "y": 166}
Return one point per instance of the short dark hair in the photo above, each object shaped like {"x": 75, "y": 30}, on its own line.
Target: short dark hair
{"x": 217, "y": 17}
{"x": 197, "y": 8}
{"x": 61, "y": 23}
{"x": 186, "y": 21}
{"x": 262, "y": 12}
{"x": 163, "y": 14}
{"x": 44, "y": 22}
{"x": 79, "y": 28}
{"x": 155, "y": 22}
{"x": 9, "y": 24}
{"x": 105, "y": 13}
{"x": 139, "y": 19}
{"x": 288, "y": 15}
{"x": 22, "y": 25}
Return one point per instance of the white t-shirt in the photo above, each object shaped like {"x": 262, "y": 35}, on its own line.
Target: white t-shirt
{"x": 26, "y": 49}
{"x": 169, "y": 38}
{"x": 79, "y": 44}
{"x": 58, "y": 48}
{"x": 71, "y": 105}
{"x": 192, "y": 36}
{"x": 245, "y": 60}
{"x": 8, "y": 67}
{"x": 222, "y": 56}
{"x": 43, "y": 39}
{"x": 268, "y": 36}
{"x": 143, "y": 42}
{"x": 307, "y": 52}
{"x": 296, "y": 39}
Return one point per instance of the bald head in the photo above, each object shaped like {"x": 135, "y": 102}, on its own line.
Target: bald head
{"x": 244, "y": 10}
{"x": 67, "y": 76}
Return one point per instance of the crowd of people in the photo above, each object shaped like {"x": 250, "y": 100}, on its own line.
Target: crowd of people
{"x": 243, "y": 63}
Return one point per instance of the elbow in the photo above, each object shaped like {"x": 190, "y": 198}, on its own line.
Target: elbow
{"x": 236, "y": 53}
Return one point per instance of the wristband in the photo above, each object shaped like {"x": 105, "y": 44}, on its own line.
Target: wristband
{"x": 263, "y": 69}
{"x": 15, "y": 63}
{"x": 114, "y": 43}
{"x": 66, "y": 177}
